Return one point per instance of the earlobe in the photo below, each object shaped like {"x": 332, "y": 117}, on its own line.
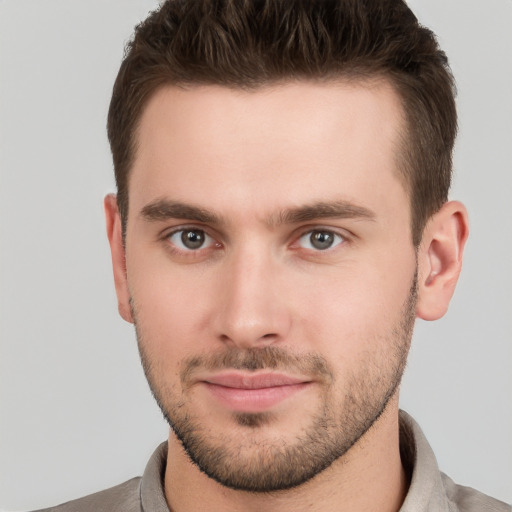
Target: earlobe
{"x": 440, "y": 259}
{"x": 115, "y": 238}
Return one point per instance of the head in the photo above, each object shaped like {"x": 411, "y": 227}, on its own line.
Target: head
{"x": 248, "y": 45}
{"x": 282, "y": 173}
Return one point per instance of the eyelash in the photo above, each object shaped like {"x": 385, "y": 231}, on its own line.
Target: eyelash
{"x": 339, "y": 239}
{"x": 187, "y": 251}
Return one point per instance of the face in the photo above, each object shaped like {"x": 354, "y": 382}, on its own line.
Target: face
{"x": 270, "y": 272}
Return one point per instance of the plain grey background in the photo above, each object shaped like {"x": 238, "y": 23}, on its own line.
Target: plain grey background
{"x": 76, "y": 414}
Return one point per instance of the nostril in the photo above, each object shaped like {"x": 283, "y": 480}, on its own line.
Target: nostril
{"x": 249, "y": 339}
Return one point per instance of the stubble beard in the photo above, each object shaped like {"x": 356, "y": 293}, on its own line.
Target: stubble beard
{"x": 253, "y": 463}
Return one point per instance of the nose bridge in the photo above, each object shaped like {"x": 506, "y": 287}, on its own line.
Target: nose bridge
{"x": 251, "y": 311}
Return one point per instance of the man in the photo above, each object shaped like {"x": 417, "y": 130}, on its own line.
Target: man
{"x": 281, "y": 220}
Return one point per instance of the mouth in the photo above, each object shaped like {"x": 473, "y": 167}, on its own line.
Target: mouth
{"x": 253, "y": 393}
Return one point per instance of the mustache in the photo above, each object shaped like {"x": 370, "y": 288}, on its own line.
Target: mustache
{"x": 252, "y": 359}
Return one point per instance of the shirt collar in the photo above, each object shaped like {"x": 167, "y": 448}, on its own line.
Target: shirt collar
{"x": 152, "y": 495}
{"x": 426, "y": 491}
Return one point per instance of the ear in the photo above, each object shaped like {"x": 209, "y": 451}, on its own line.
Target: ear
{"x": 115, "y": 238}
{"x": 440, "y": 259}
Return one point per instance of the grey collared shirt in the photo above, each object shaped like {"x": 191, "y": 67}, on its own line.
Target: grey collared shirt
{"x": 429, "y": 491}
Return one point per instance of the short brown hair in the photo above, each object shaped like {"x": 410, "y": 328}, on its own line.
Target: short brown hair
{"x": 251, "y": 43}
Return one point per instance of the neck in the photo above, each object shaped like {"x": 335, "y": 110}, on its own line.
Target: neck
{"x": 369, "y": 476}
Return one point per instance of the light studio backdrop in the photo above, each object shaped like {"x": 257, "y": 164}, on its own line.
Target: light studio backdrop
{"x": 76, "y": 414}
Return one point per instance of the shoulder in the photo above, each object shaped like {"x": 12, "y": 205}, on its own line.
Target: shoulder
{"x": 124, "y": 497}
{"x": 467, "y": 499}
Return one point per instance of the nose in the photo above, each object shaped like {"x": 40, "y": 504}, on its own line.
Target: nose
{"x": 252, "y": 311}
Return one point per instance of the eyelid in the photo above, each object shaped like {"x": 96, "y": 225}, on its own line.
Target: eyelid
{"x": 344, "y": 234}
{"x": 168, "y": 233}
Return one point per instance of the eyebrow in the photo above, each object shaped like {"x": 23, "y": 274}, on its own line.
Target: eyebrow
{"x": 164, "y": 209}
{"x": 323, "y": 210}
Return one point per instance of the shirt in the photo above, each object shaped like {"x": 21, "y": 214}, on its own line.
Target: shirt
{"x": 429, "y": 490}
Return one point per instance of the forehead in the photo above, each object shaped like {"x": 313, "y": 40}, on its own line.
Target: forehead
{"x": 296, "y": 141}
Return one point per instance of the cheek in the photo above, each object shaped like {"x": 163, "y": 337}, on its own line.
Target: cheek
{"x": 356, "y": 307}
{"x": 168, "y": 312}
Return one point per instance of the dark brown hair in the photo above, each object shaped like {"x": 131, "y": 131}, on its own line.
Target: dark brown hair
{"x": 251, "y": 43}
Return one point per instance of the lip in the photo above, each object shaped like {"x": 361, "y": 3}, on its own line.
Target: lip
{"x": 253, "y": 393}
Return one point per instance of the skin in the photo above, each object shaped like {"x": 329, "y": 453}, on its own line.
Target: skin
{"x": 254, "y": 163}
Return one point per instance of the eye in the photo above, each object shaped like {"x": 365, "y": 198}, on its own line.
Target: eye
{"x": 190, "y": 239}
{"x": 320, "y": 240}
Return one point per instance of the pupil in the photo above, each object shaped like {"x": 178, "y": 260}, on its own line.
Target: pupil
{"x": 321, "y": 240}
{"x": 192, "y": 239}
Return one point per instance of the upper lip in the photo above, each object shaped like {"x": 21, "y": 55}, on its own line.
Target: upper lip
{"x": 254, "y": 381}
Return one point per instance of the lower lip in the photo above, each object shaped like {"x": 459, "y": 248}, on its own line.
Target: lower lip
{"x": 253, "y": 400}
